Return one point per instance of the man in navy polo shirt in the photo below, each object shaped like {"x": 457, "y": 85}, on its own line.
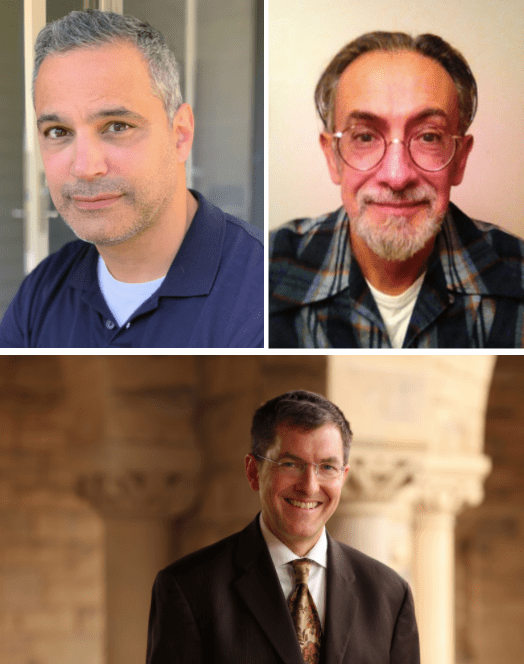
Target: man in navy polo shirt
{"x": 156, "y": 264}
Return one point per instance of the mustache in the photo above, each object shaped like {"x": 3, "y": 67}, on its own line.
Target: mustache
{"x": 419, "y": 194}
{"x": 91, "y": 189}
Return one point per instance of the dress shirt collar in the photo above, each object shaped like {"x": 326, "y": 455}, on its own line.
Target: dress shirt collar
{"x": 282, "y": 555}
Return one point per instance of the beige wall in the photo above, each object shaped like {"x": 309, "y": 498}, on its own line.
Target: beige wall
{"x": 305, "y": 34}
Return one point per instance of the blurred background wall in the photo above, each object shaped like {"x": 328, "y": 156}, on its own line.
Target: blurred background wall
{"x": 304, "y": 35}
{"x": 112, "y": 467}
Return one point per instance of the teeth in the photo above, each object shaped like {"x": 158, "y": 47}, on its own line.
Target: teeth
{"x": 307, "y": 506}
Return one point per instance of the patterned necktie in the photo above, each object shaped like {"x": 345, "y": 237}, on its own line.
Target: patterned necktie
{"x": 304, "y": 613}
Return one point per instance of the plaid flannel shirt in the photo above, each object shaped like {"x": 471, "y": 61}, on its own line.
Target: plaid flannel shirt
{"x": 472, "y": 295}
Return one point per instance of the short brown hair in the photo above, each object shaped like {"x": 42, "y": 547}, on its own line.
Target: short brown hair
{"x": 428, "y": 45}
{"x": 300, "y": 409}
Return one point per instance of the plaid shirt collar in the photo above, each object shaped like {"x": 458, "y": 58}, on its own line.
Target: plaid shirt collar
{"x": 462, "y": 261}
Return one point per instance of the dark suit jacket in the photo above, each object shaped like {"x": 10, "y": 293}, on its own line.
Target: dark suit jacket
{"x": 224, "y": 605}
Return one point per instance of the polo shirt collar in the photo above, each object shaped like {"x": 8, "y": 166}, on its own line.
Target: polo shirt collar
{"x": 194, "y": 269}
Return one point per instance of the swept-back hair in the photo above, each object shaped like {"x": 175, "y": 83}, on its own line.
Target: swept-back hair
{"x": 428, "y": 45}
{"x": 300, "y": 409}
{"x": 92, "y": 28}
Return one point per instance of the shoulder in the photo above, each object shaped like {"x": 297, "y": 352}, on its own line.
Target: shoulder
{"x": 203, "y": 569}
{"x": 62, "y": 260}
{"x": 471, "y": 230}
{"x": 291, "y": 238}
{"x": 51, "y": 275}
{"x": 234, "y": 230}
{"x": 368, "y": 571}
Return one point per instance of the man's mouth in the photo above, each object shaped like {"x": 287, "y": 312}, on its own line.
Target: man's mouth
{"x": 95, "y": 202}
{"x": 309, "y": 505}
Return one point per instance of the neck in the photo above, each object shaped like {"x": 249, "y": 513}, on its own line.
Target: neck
{"x": 149, "y": 254}
{"x": 390, "y": 277}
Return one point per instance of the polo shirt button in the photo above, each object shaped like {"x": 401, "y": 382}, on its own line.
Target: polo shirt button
{"x": 109, "y": 324}
{"x": 128, "y": 326}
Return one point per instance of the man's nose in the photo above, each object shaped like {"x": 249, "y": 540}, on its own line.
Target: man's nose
{"x": 89, "y": 159}
{"x": 309, "y": 480}
{"x": 397, "y": 169}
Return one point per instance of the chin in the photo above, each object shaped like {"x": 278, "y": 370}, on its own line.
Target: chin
{"x": 398, "y": 238}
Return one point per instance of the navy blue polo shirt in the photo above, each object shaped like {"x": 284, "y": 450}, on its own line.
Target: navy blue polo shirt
{"x": 212, "y": 296}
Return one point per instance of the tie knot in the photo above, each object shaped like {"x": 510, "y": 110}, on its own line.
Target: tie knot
{"x": 301, "y": 567}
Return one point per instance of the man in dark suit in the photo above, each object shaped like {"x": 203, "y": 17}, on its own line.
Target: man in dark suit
{"x": 282, "y": 590}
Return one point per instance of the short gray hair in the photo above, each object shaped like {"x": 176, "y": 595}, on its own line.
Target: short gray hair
{"x": 91, "y": 28}
{"x": 430, "y": 46}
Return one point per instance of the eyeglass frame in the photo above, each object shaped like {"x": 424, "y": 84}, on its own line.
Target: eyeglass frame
{"x": 303, "y": 465}
{"x": 338, "y": 135}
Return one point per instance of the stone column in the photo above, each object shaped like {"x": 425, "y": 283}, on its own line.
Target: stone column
{"x": 138, "y": 507}
{"x": 446, "y": 485}
{"x": 134, "y": 455}
{"x": 376, "y": 507}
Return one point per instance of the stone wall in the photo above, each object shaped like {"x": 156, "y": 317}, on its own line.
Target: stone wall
{"x": 52, "y": 604}
{"x": 490, "y": 538}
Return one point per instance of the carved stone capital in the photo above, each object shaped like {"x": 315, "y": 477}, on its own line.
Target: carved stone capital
{"x": 449, "y": 483}
{"x": 378, "y": 476}
{"x": 137, "y": 494}
{"x": 122, "y": 479}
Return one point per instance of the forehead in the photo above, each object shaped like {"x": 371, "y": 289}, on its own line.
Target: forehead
{"x": 114, "y": 73}
{"x": 395, "y": 87}
{"x": 309, "y": 444}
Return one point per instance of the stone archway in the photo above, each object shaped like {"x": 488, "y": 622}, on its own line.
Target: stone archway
{"x": 417, "y": 461}
{"x": 490, "y": 537}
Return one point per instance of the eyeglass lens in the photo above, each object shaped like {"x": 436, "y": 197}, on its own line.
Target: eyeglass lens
{"x": 363, "y": 149}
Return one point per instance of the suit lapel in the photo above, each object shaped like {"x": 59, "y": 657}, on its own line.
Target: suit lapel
{"x": 259, "y": 587}
{"x": 341, "y": 605}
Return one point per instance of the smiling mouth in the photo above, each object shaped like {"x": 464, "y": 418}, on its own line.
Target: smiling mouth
{"x": 302, "y": 505}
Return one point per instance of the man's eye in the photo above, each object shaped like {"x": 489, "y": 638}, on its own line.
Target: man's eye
{"x": 363, "y": 137}
{"x": 55, "y": 132}
{"x": 117, "y": 127}
{"x": 288, "y": 464}
{"x": 429, "y": 137}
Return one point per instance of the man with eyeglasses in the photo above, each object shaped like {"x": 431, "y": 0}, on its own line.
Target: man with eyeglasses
{"x": 398, "y": 265}
{"x": 282, "y": 591}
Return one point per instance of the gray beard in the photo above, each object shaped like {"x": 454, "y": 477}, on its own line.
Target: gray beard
{"x": 396, "y": 239}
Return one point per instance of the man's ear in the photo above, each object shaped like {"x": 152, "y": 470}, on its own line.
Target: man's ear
{"x": 184, "y": 130}
{"x": 252, "y": 472}
{"x": 333, "y": 162}
{"x": 461, "y": 159}
{"x": 345, "y": 473}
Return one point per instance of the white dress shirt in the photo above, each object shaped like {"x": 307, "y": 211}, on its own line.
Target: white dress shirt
{"x": 282, "y": 556}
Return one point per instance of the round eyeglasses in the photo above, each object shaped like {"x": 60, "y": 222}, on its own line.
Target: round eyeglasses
{"x": 295, "y": 468}
{"x": 364, "y": 148}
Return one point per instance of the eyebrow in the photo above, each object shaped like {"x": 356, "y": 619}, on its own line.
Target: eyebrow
{"x": 287, "y": 455}
{"x": 118, "y": 111}
{"x": 372, "y": 117}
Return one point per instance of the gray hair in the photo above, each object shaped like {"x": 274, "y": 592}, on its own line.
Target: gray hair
{"x": 431, "y": 46}
{"x": 91, "y": 28}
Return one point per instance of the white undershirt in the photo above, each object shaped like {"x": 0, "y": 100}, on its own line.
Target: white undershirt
{"x": 281, "y": 556}
{"x": 396, "y": 310}
{"x": 122, "y": 298}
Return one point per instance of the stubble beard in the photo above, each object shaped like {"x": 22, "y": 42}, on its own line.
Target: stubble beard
{"x": 105, "y": 227}
{"x": 397, "y": 238}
